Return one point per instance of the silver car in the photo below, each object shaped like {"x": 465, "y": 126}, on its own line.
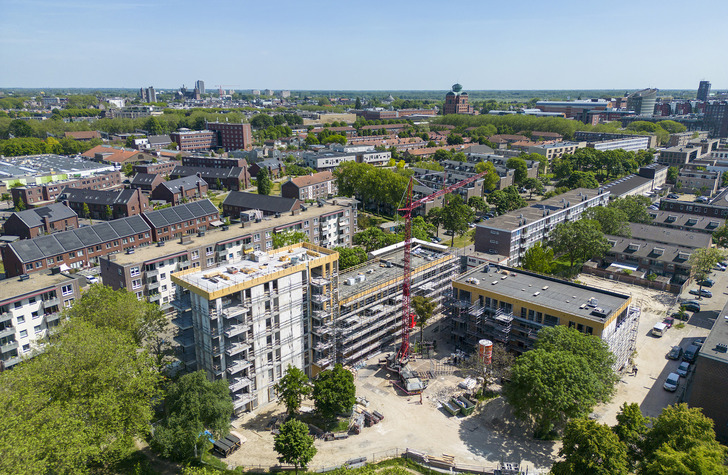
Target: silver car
{"x": 672, "y": 382}
{"x": 682, "y": 370}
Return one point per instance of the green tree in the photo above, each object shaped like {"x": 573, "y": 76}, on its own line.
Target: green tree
{"x": 127, "y": 169}
{"x": 520, "y": 167}
{"x": 611, "y": 220}
{"x": 682, "y": 440}
{"x": 456, "y": 216}
{"x": 672, "y": 173}
{"x": 79, "y": 403}
{"x": 292, "y": 388}
{"x": 490, "y": 179}
{"x": 455, "y": 139}
{"x": 579, "y": 179}
{"x": 357, "y": 104}
{"x": 538, "y": 259}
{"x": 635, "y": 207}
{"x": 20, "y": 205}
{"x": 265, "y": 185}
{"x": 261, "y": 121}
{"x": 350, "y": 256}
{"x": 288, "y": 238}
{"x": 424, "y": 307}
{"x": 334, "y": 392}
{"x": 193, "y": 405}
{"x": 20, "y": 128}
{"x": 435, "y": 217}
{"x": 702, "y": 260}
{"x": 477, "y": 203}
{"x": 720, "y": 236}
{"x": 556, "y": 382}
{"x": 294, "y": 445}
{"x": 579, "y": 240}
{"x": 85, "y": 211}
{"x": 590, "y": 447}
{"x": 671, "y": 126}
{"x": 533, "y": 184}
{"x": 120, "y": 310}
{"x": 375, "y": 238}
{"x": 311, "y": 139}
{"x": 507, "y": 199}
{"x": 631, "y": 429}
{"x": 109, "y": 212}
{"x": 153, "y": 126}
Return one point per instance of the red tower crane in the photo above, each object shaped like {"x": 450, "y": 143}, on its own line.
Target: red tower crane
{"x": 407, "y": 316}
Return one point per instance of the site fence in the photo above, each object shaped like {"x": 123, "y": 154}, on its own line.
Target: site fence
{"x": 444, "y": 463}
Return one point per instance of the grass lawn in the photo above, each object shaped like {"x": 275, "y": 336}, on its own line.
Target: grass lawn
{"x": 275, "y": 190}
{"x": 218, "y": 199}
{"x": 460, "y": 241}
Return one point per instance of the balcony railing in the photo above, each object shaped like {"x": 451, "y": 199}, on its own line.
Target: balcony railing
{"x": 236, "y": 348}
{"x": 5, "y": 317}
{"x": 239, "y": 383}
{"x": 242, "y": 400}
{"x": 239, "y": 366}
{"x": 51, "y": 302}
{"x": 236, "y": 330}
{"x": 8, "y": 331}
{"x": 9, "y": 346}
{"x": 52, "y": 317}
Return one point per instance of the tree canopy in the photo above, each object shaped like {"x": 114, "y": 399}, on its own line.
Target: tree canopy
{"x": 423, "y": 307}
{"x": 635, "y": 207}
{"x": 590, "y": 447}
{"x": 490, "y": 179}
{"x": 578, "y": 240}
{"x": 289, "y": 237}
{"x": 456, "y": 216}
{"x": 611, "y": 219}
{"x": 507, "y": 199}
{"x": 538, "y": 258}
{"x": 334, "y": 392}
{"x": 292, "y": 388}
{"x": 294, "y": 445}
{"x": 265, "y": 185}
{"x": 563, "y": 377}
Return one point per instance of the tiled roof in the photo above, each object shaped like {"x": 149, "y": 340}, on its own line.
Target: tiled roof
{"x": 271, "y": 204}
{"x": 313, "y": 179}
{"x": 99, "y": 197}
{"x": 187, "y": 182}
{"x": 180, "y": 213}
{"x": 54, "y": 212}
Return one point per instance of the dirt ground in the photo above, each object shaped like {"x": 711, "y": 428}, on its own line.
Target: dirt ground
{"x": 491, "y": 434}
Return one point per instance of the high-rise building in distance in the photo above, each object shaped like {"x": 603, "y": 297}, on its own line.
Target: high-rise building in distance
{"x": 703, "y": 90}
{"x": 200, "y": 84}
{"x": 642, "y": 102}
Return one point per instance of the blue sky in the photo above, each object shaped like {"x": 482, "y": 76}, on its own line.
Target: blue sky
{"x": 535, "y": 44}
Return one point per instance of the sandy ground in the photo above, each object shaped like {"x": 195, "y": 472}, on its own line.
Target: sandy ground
{"x": 491, "y": 434}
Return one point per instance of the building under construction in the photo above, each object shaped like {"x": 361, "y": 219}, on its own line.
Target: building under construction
{"x": 510, "y": 306}
{"x": 370, "y": 297}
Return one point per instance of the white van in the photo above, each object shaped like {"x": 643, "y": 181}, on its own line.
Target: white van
{"x": 659, "y": 329}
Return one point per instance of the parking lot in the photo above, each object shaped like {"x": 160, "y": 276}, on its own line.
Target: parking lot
{"x": 653, "y": 366}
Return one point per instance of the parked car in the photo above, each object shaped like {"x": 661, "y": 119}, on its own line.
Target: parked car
{"x": 691, "y": 305}
{"x": 92, "y": 279}
{"x": 701, "y": 292}
{"x": 654, "y": 207}
{"x": 668, "y": 321}
{"x": 719, "y": 267}
{"x": 436, "y": 239}
{"x": 675, "y": 353}
{"x": 699, "y": 342}
{"x": 691, "y": 353}
{"x": 682, "y": 370}
{"x": 672, "y": 382}
{"x": 673, "y": 196}
{"x": 707, "y": 282}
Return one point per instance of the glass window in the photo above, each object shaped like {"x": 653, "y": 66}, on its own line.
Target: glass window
{"x": 134, "y": 271}
{"x": 23, "y": 333}
{"x": 37, "y": 329}
{"x": 21, "y": 319}
{"x": 67, "y": 289}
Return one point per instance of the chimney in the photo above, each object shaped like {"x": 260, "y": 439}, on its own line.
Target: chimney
{"x": 46, "y": 224}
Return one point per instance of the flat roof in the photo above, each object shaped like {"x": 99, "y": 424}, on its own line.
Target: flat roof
{"x": 32, "y": 165}
{"x": 510, "y": 221}
{"x": 626, "y": 184}
{"x": 545, "y": 291}
{"x": 675, "y": 237}
{"x": 13, "y": 287}
{"x": 718, "y": 335}
{"x": 213, "y": 236}
{"x": 376, "y": 272}
{"x": 258, "y": 264}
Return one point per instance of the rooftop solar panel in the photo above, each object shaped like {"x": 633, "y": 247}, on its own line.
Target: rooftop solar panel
{"x": 105, "y": 232}
{"x": 27, "y": 250}
{"x": 68, "y": 240}
{"x": 87, "y": 236}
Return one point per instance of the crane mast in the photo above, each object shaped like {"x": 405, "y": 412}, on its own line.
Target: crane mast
{"x": 407, "y": 316}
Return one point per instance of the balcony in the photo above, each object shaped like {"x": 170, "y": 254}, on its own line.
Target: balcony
{"x": 185, "y": 341}
{"x": 320, "y": 298}
{"x": 236, "y": 348}
{"x": 319, "y": 315}
{"x": 234, "y": 311}
{"x": 8, "y": 331}
{"x": 55, "y": 301}
{"x": 12, "y": 361}
{"x": 5, "y": 317}
{"x": 243, "y": 400}
{"x": 12, "y": 345}
{"x": 153, "y": 285}
{"x": 183, "y": 321}
{"x": 239, "y": 366}
{"x": 155, "y": 297}
{"x": 239, "y": 383}
{"x": 152, "y": 273}
{"x": 52, "y": 317}
{"x": 236, "y": 330}
{"x": 182, "y": 304}
{"x": 319, "y": 282}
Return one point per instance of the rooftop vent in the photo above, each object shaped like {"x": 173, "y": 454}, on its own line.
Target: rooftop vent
{"x": 722, "y": 347}
{"x": 545, "y": 287}
{"x": 593, "y": 302}
{"x": 535, "y": 294}
{"x": 160, "y": 244}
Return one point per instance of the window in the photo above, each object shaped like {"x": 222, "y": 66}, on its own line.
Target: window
{"x": 35, "y": 315}
{"x": 208, "y": 251}
{"x": 195, "y": 254}
{"x": 134, "y": 271}
{"x": 26, "y": 348}
{"x": 210, "y": 262}
{"x": 21, "y": 319}
{"x": 256, "y": 238}
{"x": 136, "y": 283}
{"x": 37, "y": 329}
{"x": 67, "y": 289}
{"x": 23, "y": 333}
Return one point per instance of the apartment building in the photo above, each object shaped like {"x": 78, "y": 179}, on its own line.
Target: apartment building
{"x": 47, "y": 193}
{"x": 247, "y": 322}
{"x": 629, "y": 144}
{"x": 327, "y": 161}
{"x": 509, "y": 306}
{"x": 648, "y": 179}
{"x": 122, "y": 204}
{"x": 554, "y": 150}
{"x": 146, "y": 182}
{"x": 30, "y": 308}
{"x": 571, "y": 109}
{"x": 700, "y": 182}
{"x": 512, "y": 234}
{"x": 213, "y": 162}
{"x": 716, "y": 118}
{"x": 716, "y": 208}
{"x": 194, "y": 140}
{"x": 315, "y": 186}
{"x": 685, "y": 222}
{"x": 679, "y": 156}
{"x": 180, "y": 190}
{"x": 236, "y": 178}
{"x": 34, "y": 222}
{"x": 160, "y": 168}
{"x": 596, "y": 137}
{"x": 275, "y": 168}
{"x": 208, "y": 244}
{"x": 670, "y": 236}
{"x": 232, "y": 136}
{"x": 370, "y": 299}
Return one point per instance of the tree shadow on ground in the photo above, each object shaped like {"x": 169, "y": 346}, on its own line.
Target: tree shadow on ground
{"x": 493, "y": 432}
{"x": 704, "y": 319}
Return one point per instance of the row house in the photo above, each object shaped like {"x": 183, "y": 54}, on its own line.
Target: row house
{"x": 105, "y": 205}
{"x": 181, "y": 190}
{"x": 43, "y": 194}
{"x": 235, "y": 178}
{"x": 34, "y": 222}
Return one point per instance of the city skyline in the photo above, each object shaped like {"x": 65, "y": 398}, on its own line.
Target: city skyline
{"x": 386, "y": 46}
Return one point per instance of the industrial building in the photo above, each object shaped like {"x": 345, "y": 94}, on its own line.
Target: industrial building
{"x": 249, "y": 321}
{"x": 510, "y": 306}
